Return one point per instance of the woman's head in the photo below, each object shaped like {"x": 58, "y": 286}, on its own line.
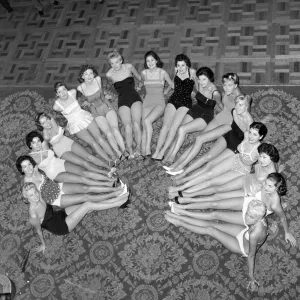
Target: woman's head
{"x": 61, "y": 90}
{"x": 230, "y": 82}
{"x": 30, "y": 192}
{"x": 242, "y": 104}
{"x": 42, "y": 121}
{"x": 115, "y": 59}
{"x": 275, "y": 182}
{"x": 34, "y": 140}
{"x": 267, "y": 154}
{"x": 205, "y": 75}
{"x": 257, "y": 132}
{"x": 152, "y": 60}
{"x": 87, "y": 73}
{"x": 255, "y": 212}
{"x": 25, "y": 164}
{"x": 181, "y": 60}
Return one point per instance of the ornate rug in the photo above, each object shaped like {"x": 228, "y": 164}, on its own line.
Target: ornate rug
{"x": 134, "y": 253}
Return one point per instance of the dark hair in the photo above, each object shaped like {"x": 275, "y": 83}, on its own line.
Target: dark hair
{"x": 57, "y": 85}
{"x": 280, "y": 183}
{"x": 23, "y": 158}
{"x": 37, "y": 120}
{"x": 231, "y": 76}
{"x": 30, "y": 136}
{"x": 269, "y": 150}
{"x": 83, "y": 68}
{"x": 261, "y": 128}
{"x": 206, "y": 72}
{"x": 159, "y": 63}
{"x": 183, "y": 57}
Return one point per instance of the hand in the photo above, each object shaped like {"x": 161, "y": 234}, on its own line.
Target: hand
{"x": 289, "y": 238}
{"x": 85, "y": 103}
{"x": 40, "y": 248}
{"x": 252, "y": 284}
{"x": 108, "y": 97}
{"x": 138, "y": 88}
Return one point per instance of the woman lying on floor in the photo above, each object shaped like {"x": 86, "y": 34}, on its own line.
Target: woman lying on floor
{"x": 225, "y": 169}
{"x": 67, "y": 149}
{"x": 63, "y": 221}
{"x": 63, "y": 194}
{"x": 228, "y": 138}
{"x": 241, "y": 236}
{"x": 246, "y": 185}
{"x": 274, "y": 187}
{"x": 58, "y": 169}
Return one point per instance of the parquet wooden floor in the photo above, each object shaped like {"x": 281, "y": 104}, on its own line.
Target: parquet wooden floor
{"x": 258, "y": 39}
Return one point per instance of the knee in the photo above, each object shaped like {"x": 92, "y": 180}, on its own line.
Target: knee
{"x": 181, "y": 131}
{"x": 109, "y": 133}
{"x": 215, "y": 215}
{"x": 147, "y": 122}
{"x": 136, "y": 124}
{"x": 89, "y": 158}
{"x": 86, "y": 188}
{"x": 128, "y": 128}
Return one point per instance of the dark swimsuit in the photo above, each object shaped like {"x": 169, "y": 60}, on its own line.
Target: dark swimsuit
{"x": 234, "y": 137}
{"x": 204, "y": 108}
{"x": 54, "y": 221}
{"x": 182, "y": 92}
{"x": 127, "y": 93}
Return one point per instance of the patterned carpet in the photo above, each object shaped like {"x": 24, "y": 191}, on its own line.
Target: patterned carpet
{"x": 134, "y": 253}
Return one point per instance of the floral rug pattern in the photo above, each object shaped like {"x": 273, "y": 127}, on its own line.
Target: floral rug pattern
{"x": 134, "y": 253}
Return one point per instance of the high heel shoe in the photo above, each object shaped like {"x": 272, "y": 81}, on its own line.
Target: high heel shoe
{"x": 117, "y": 182}
{"x": 125, "y": 205}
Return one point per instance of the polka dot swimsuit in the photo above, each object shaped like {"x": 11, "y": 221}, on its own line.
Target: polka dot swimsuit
{"x": 182, "y": 92}
{"x": 50, "y": 190}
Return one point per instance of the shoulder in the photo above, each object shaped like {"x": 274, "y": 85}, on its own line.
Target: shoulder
{"x": 108, "y": 74}
{"x": 80, "y": 87}
{"x": 128, "y": 66}
{"x": 144, "y": 72}
{"x": 193, "y": 72}
{"x": 98, "y": 79}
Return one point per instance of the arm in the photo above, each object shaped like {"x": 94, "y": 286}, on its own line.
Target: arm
{"x": 35, "y": 222}
{"x": 277, "y": 208}
{"x": 194, "y": 77}
{"x": 134, "y": 72}
{"x": 218, "y": 98}
{"x": 167, "y": 78}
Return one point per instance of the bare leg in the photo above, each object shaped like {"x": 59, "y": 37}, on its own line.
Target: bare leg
{"x": 112, "y": 120}
{"x": 169, "y": 114}
{"x": 77, "y": 188}
{"x": 125, "y": 115}
{"x": 74, "y": 178}
{"x": 104, "y": 126}
{"x": 77, "y": 215}
{"x": 136, "y": 115}
{"x": 85, "y": 136}
{"x": 176, "y": 122}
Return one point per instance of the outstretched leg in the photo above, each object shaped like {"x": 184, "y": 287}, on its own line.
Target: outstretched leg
{"x": 136, "y": 115}
{"x": 125, "y": 115}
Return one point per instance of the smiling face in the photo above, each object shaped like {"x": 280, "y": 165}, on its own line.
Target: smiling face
{"x": 62, "y": 92}
{"x": 116, "y": 63}
{"x": 151, "y": 62}
{"x": 45, "y": 122}
{"x": 181, "y": 67}
{"x": 36, "y": 144}
{"x": 254, "y": 136}
{"x": 88, "y": 75}
{"x": 241, "y": 106}
{"x": 203, "y": 81}
{"x": 32, "y": 195}
{"x": 264, "y": 159}
{"x": 250, "y": 218}
{"x": 27, "y": 167}
{"x": 269, "y": 186}
{"x": 229, "y": 86}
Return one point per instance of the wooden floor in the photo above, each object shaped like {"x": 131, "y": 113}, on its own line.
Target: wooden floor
{"x": 258, "y": 39}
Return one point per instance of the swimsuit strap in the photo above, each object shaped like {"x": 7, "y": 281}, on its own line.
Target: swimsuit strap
{"x": 59, "y": 105}
{"x": 189, "y": 73}
{"x": 212, "y": 94}
{"x": 82, "y": 90}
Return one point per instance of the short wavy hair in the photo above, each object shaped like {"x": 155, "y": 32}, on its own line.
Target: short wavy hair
{"x": 83, "y": 68}
{"x": 114, "y": 54}
{"x": 261, "y": 128}
{"x": 23, "y": 158}
{"x": 246, "y": 98}
{"x": 159, "y": 63}
{"x": 270, "y": 150}
{"x": 27, "y": 186}
{"x": 206, "y": 71}
{"x": 37, "y": 120}
{"x": 183, "y": 57}
{"x": 57, "y": 85}
{"x": 30, "y": 136}
{"x": 257, "y": 208}
{"x": 279, "y": 182}
{"x": 231, "y": 76}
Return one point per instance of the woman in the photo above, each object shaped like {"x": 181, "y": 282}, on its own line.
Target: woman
{"x": 274, "y": 187}
{"x": 58, "y": 169}
{"x": 246, "y": 185}
{"x": 63, "y": 194}
{"x": 154, "y": 78}
{"x": 129, "y": 101}
{"x": 202, "y": 113}
{"x": 228, "y": 138}
{"x": 101, "y": 109}
{"x": 233, "y": 166}
{"x": 243, "y": 237}
{"x": 65, "y": 148}
{"x": 80, "y": 122}
{"x": 60, "y": 222}
{"x": 178, "y": 105}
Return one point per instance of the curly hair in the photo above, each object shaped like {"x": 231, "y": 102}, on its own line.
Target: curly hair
{"x": 23, "y": 158}
{"x": 27, "y": 186}
{"x": 83, "y": 68}
{"x": 37, "y": 120}
{"x": 270, "y": 150}
{"x": 206, "y": 72}
{"x": 159, "y": 63}
{"x": 114, "y": 54}
{"x": 57, "y": 85}
{"x": 183, "y": 57}
{"x": 279, "y": 182}
{"x": 231, "y": 76}
{"x": 245, "y": 98}
{"x": 261, "y": 128}
{"x": 30, "y": 136}
{"x": 257, "y": 209}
